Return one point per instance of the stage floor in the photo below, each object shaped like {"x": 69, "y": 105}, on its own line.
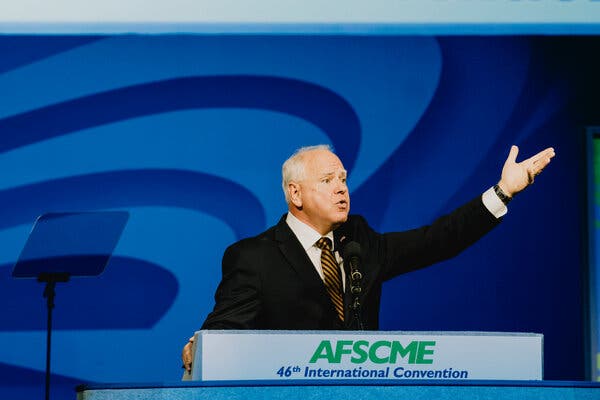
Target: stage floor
{"x": 364, "y": 390}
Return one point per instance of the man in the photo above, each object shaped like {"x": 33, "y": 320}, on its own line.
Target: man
{"x": 293, "y": 275}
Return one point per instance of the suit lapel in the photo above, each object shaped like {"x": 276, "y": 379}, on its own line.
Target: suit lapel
{"x": 297, "y": 258}
{"x": 294, "y": 253}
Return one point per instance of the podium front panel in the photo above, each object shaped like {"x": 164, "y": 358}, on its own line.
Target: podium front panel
{"x": 344, "y": 355}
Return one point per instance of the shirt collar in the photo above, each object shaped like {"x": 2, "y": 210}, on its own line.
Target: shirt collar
{"x": 305, "y": 234}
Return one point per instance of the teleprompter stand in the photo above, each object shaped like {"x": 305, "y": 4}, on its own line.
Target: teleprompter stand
{"x": 51, "y": 280}
{"x": 62, "y": 245}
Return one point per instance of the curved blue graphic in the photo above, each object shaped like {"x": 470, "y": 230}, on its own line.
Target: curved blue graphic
{"x": 126, "y": 189}
{"x": 28, "y": 383}
{"x": 308, "y": 101}
{"x": 35, "y": 48}
{"x": 140, "y": 292}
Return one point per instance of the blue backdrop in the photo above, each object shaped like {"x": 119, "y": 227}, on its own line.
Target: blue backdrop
{"x": 188, "y": 133}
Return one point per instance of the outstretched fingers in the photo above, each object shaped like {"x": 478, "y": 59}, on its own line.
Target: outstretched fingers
{"x": 545, "y": 154}
{"x": 541, "y": 160}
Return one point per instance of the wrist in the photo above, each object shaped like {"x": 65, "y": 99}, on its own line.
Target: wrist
{"x": 506, "y": 189}
{"x": 502, "y": 193}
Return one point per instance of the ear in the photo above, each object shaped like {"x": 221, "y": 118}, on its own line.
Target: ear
{"x": 294, "y": 194}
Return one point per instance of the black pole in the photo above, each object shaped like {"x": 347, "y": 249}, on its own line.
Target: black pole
{"x": 49, "y": 294}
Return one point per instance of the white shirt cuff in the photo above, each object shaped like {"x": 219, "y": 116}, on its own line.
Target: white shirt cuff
{"x": 492, "y": 202}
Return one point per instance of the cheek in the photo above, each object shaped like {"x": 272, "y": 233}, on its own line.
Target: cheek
{"x": 321, "y": 200}
{"x": 319, "y": 193}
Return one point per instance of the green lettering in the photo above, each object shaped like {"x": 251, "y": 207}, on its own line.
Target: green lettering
{"x": 398, "y": 349}
{"x": 340, "y": 349}
{"x": 423, "y": 351}
{"x": 360, "y": 352}
{"x": 324, "y": 351}
{"x": 373, "y": 351}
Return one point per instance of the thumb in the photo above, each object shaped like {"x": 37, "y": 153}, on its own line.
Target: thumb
{"x": 512, "y": 156}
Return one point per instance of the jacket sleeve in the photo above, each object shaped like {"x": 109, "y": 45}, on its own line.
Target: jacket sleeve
{"x": 446, "y": 237}
{"x": 237, "y": 299}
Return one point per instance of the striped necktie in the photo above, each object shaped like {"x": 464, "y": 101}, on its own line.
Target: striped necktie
{"x": 331, "y": 275}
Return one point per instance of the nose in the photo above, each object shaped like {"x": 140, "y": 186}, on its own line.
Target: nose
{"x": 340, "y": 186}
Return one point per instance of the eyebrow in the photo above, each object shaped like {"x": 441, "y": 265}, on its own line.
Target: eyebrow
{"x": 330, "y": 173}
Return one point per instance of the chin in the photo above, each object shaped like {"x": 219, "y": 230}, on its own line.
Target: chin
{"x": 342, "y": 218}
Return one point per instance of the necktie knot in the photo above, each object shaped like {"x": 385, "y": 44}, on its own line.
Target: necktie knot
{"x": 324, "y": 243}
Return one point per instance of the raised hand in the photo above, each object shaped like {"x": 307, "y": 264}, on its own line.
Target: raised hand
{"x": 516, "y": 176}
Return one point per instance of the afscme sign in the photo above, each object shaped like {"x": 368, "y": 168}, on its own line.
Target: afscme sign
{"x": 342, "y": 355}
{"x": 377, "y": 352}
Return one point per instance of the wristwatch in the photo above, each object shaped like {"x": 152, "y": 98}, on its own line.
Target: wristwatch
{"x": 501, "y": 195}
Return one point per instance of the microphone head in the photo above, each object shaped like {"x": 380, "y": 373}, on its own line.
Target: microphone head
{"x": 351, "y": 250}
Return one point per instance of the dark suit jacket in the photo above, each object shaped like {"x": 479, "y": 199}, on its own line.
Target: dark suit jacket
{"x": 270, "y": 283}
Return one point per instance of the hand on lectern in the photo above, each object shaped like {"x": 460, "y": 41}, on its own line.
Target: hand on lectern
{"x": 186, "y": 355}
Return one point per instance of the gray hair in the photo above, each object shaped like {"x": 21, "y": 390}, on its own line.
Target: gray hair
{"x": 293, "y": 167}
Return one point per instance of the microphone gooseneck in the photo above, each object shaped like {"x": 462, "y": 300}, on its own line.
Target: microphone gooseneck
{"x": 352, "y": 255}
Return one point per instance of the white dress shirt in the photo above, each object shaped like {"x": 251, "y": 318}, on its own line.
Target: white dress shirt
{"x": 308, "y": 238}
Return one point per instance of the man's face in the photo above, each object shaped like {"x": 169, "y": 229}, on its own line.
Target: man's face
{"x": 321, "y": 199}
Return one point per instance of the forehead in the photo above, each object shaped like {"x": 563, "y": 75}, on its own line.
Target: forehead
{"x": 321, "y": 162}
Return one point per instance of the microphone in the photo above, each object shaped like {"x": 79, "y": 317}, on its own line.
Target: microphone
{"x": 352, "y": 257}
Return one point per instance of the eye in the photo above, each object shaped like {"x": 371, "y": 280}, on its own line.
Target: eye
{"x": 326, "y": 180}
